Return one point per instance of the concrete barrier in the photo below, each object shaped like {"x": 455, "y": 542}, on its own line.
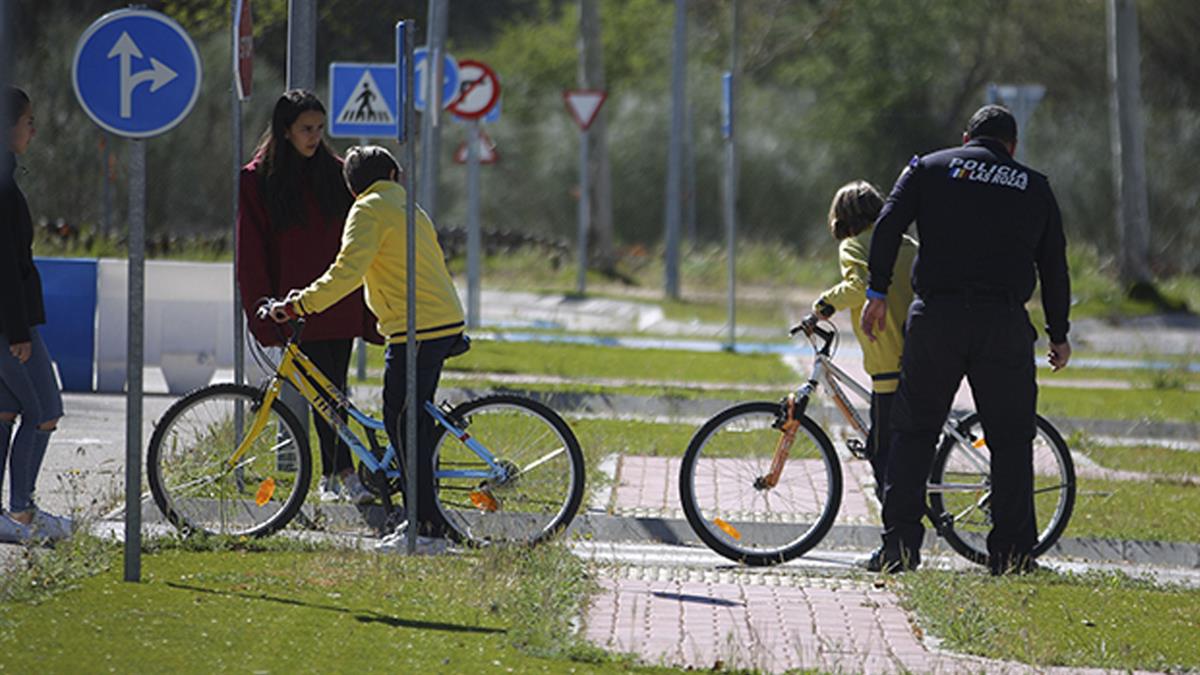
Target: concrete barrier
{"x": 69, "y": 293}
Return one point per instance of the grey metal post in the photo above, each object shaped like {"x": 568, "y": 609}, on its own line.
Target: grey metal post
{"x": 731, "y": 180}
{"x": 134, "y": 359}
{"x": 585, "y": 212}
{"x": 1128, "y": 144}
{"x": 431, "y": 133}
{"x": 412, "y": 405}
{"x": 675, "y": 149}
{"x": 360, "y": 345}
{"x": 239, "y": 323}
{"x": 474, "y": 238}
{"x": 106, "y": 188}
{"x": 302, "y": 44}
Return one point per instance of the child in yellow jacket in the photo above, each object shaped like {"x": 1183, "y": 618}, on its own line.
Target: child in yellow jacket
{"x": 373, "y": 254}
{"x": 851, "y": 219}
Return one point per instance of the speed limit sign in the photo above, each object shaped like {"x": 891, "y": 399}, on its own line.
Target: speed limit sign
{"x": 479, "y": 89}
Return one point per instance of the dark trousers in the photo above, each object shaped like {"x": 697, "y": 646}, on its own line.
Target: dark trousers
{"x": 880, "y": 440}
{"x": 991, "y": 342}
{"x": 332, "y": 358}
{"x": 431, "y": 354}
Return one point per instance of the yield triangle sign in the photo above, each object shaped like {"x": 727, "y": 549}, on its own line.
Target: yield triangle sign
{"x": 584, "y": 104}
{"x": 366, "y": 104}
{"x": 487, "y": 150}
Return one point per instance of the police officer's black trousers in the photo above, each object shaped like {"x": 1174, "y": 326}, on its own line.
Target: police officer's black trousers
{"x": 991, "y": 342}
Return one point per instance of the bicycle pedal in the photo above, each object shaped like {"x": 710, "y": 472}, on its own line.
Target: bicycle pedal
{"x": 858, "y": 448}
{"x": 445, "y": 407}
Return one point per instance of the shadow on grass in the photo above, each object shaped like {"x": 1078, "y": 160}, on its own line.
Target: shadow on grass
{"x": 363, "y": 616}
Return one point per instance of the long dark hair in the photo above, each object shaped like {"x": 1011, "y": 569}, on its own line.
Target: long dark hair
{"x": 15, "y": 105}
{"x": 282, "y": 169}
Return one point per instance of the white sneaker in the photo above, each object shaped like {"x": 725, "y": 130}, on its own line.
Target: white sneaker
{"x": 354, "y": 491}
{"x": 327, "y": 489}
{"x": 51, "y": 527}
{"x": 397, "y": 542}
{"x": 12, "y": 532}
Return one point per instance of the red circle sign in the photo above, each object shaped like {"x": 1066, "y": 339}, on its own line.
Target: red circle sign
{"x": 479, "y": 89}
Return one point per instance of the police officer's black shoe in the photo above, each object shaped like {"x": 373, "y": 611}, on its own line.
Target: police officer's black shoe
{"x": 880, "y": 561}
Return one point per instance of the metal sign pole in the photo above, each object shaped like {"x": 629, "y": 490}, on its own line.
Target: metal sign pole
{"x": 731, "y": 179}
{"x": 360, "y": 344}
{"x": 474, "y": 238}
{"x": 585, "y": 211}
{"x": 412, "y": 405}
{"x": 133, "y": 362}
{"x": 239, "y": 324}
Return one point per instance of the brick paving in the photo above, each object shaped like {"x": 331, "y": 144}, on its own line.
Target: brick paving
{"x": 767, "y": 621}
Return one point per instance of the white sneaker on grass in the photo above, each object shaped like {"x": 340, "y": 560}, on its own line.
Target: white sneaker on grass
{"x": 51, "y": 527}
{"x": 12, "y": 532}
{"x": 397, "y": 542}
{"x": 354, "y": 491}
{"x": 327, "y": 489}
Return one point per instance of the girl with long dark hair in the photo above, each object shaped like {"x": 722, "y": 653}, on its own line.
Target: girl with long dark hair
{"x": 291, "y": 213}
{"x": 28, "y": 387}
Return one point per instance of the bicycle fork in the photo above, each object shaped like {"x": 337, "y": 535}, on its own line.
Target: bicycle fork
{"x": 792, "y": 409}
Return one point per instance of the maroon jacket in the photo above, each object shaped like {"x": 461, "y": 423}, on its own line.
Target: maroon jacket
{"x": 272, "y": 262}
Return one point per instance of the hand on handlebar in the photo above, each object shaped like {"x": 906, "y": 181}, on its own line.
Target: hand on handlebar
{"x": 808, "y": 323}
{"x": 279, "y": 311}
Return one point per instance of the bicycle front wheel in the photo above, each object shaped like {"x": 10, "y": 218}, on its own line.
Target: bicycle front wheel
{"x": 960, "y": 487}
{"x": 741, "y": 508}
{"x": 195, "y": 483}
{"x": 538, "y": 486}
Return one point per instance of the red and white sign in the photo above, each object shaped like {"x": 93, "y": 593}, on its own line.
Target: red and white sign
{"x": 245, "y": 49}
{"x": 584, "y": 104}
{"x": 487, "y": 150}
{"x": 478, "y": 87}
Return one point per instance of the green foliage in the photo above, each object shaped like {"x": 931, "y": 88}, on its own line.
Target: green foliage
{"x": 1102, "y": 620}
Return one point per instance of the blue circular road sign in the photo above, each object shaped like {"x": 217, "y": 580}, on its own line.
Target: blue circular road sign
{"x": 136, "y": 73}
{"x": 421, "y": 70}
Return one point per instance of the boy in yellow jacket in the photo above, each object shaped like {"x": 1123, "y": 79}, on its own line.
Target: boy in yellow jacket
{"x": 373, "y": 253}
{"x": 851, "y": 219}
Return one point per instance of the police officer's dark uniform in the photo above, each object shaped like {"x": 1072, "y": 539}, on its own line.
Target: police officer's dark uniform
{"x": 985, "y": 223}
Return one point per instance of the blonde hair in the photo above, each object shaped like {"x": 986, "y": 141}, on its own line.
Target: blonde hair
{"x": 855, "y": 207}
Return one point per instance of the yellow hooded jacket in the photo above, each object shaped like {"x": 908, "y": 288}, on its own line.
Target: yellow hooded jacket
{"x": 881, "y": 358}
{"x": 374, "y": 245}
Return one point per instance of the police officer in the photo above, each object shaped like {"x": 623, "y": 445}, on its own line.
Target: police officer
{"x": 987, "y": 225}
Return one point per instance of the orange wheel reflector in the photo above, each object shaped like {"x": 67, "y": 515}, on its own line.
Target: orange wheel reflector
{"x": 727, "y": 528}
{"x": 980, "y": 443}
{"x": 484, "y": 501}
{"x": 266, "y": 490}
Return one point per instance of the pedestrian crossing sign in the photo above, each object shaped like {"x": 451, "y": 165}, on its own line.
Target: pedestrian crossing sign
{"x": 363, "y": 100}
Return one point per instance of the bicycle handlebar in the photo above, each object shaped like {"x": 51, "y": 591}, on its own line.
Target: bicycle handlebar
{"x": 296, "y": 323}
{"x": 809, "y": 330}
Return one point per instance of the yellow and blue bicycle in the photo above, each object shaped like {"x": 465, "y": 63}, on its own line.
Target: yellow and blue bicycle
{"x": 232, "y": 459}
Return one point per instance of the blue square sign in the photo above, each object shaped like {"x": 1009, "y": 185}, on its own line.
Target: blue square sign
{"x": 362, "y": 100}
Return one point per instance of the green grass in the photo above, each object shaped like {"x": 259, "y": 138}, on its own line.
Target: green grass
{"x": 1146, "y": 459}
{"x": 1136, "y": 510}
{"x": 1092, "y": 620}
{"x": 282, "y": 607}
{"x": 1156, "y": 405}
{"x": 1170, "y": 378}
{"x": 566, "y": 360}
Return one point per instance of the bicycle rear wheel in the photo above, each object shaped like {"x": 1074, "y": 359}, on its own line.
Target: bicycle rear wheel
{"x": 960, "y": 488}
{"x": 545, "y": 473}
{"x": 188, "y": 464}
{"x": 726, "y": 497}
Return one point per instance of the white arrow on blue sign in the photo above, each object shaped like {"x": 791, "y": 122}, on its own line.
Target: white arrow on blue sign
{"x": 421, "y": 71}
{"x": 136, "y": 73}
{"x": 362, "y": 100}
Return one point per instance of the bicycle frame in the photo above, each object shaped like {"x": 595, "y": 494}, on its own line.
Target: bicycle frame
{"x": 327, "y": 400}
{"x": 826, "y": 372}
